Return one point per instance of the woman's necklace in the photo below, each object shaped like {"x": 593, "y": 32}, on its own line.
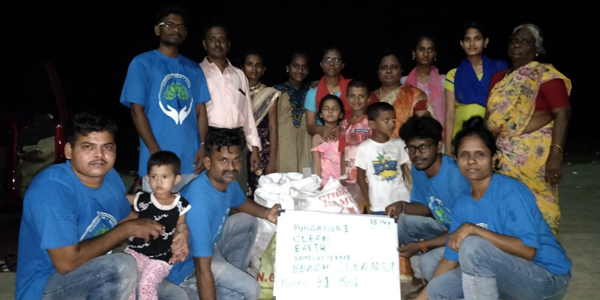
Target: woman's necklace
{"x": 255, "y": 89}
{"x": 333, "y": 89}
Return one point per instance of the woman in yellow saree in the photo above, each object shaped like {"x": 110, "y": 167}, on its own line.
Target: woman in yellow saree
{"x": 528, "y": 110}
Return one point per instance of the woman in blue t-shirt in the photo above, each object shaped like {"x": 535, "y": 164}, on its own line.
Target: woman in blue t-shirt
{"x": 499, "y": 244}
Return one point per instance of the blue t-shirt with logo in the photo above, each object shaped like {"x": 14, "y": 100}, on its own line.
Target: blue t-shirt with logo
{"x": 169, "y": 89}
{"x": 59, "y": 211}
{"x": 205, "y": 220}
{"x": 509, "y": 208}
{"x": 440, "y": 191}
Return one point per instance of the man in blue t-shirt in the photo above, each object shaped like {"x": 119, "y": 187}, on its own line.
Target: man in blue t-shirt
{"x": 220, "y": 245}
{"x": 423, "y": 222}
{"x": 166, "y": 93}
{"x": 69, "y": 221}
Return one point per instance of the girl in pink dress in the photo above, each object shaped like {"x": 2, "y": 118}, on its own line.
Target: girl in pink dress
{"x": 326, "y": 155}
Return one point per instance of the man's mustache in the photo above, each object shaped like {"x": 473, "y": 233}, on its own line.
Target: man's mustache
{"x": 98, "y": 161}
{"x": 235, "y": 172}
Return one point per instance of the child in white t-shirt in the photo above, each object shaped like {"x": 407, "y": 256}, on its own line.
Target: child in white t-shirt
{"x": 379, "y": 161}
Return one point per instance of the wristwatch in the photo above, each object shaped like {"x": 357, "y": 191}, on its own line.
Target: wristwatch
{"x": 423, "y": 247}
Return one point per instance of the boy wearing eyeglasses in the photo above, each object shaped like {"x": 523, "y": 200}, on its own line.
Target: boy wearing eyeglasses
{"x": 424, "y": 222}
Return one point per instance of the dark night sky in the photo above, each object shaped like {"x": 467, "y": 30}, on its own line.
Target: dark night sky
{"x": 92, "y": 44}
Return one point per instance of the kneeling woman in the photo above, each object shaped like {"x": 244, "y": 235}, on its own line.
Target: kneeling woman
{"x": 499, "y": 244}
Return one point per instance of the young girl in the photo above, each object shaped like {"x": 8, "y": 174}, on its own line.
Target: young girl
{"x": 354, "y": 131}
{"x": 155, "y": 257}
{"x": 426, "y": 76}
{"x": 332, "y": 83}
{"x": 466, "y": 87}
{"x": 294, "y": 143}
{"x": 326, "y": 155}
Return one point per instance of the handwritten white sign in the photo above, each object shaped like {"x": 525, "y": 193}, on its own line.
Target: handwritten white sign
{"x": 336, "y": 256}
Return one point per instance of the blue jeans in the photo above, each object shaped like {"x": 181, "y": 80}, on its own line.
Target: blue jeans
{"x": 111, "y": 276}
{"x": 413, "y": 228}
{"x": 486, "y": 272}
{"x": 169, "y": 291}
{"x": 230, "y": 260}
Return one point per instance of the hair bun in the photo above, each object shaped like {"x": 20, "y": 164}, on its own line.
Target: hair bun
{"x": 476, "y": 123}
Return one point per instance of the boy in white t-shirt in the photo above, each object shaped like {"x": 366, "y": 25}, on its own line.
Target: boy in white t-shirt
{"x": 379, "y": 161}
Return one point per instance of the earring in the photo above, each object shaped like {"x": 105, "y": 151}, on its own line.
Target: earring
{"x": 435, "y": 59}
{"x": 413, "y": 57}
{"x": 537, "y": 54}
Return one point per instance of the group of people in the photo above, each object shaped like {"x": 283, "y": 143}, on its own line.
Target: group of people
{"x": 467, "y": 160}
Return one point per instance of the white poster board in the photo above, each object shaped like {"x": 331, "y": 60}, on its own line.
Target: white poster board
{"x": 336, "y": 256}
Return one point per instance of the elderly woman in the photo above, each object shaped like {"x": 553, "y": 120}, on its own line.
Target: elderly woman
{"x": 407, "y": 100}
{"x": 528, "y": 110}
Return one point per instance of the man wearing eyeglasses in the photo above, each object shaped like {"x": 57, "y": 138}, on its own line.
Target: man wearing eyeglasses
{"x": 230, "y": 106}
{"x": 166, "y": 93}
{"x": 423, "y": 222}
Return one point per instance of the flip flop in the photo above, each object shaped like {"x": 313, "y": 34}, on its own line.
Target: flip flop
{"x": 3, "y": 267}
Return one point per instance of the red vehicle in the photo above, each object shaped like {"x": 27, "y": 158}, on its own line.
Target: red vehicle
{"x": 33, "y": 133}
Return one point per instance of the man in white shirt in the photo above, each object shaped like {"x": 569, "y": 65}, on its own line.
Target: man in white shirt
{"x": 230, "y": 105}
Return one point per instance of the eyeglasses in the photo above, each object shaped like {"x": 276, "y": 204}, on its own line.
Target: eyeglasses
{"x": 332, "y": 60}
{"x": 423, "y": 149}
{"x": 172, "y": 26}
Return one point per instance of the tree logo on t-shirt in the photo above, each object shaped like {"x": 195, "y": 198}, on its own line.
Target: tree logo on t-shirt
{"x": 385, "y": 167}
{"x": 440, "y": 211}
{"x": 101, "y": 224}
{"x": 175, "y": 92}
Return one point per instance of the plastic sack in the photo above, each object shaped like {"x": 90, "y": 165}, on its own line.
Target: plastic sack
{"x": 266, "y": 274}
{"x": 275, "y": 188}
{"x": 334, "y": 197}
{"x": 264, "y": 232}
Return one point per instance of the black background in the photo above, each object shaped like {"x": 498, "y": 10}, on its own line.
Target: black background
{"x": 92, "y": 43}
